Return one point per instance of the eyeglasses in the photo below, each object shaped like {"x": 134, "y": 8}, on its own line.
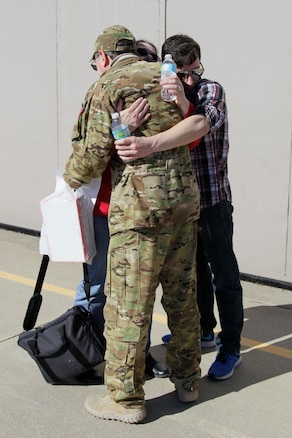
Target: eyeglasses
{"x": 149, "y": 56}
{"x": 195, "y": 73}
{"x": 92, "y": 63}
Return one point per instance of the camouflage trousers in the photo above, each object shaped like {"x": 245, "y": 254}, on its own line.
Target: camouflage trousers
{"x": 138, "y": 260}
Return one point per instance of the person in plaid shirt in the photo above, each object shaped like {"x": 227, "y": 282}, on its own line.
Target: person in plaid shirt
{"x": 217, "y": 267}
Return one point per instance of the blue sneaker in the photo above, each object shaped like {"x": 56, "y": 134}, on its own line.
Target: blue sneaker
{"x": 207, "y": 339}
{"x": 224, "y": 365}
{"x": 166, "y": 339}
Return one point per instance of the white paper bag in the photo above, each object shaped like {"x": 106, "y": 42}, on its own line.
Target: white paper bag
{"x": 67, "y": 232}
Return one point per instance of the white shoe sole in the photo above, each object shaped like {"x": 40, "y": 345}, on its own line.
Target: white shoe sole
{"x": 227, "y": 376}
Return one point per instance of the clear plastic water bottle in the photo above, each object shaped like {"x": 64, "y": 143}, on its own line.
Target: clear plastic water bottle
{"x": 118, "y": 128}
{"x": 168, "y": 69}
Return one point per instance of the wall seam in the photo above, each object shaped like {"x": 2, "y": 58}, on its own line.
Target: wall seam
{"x": 288, "y": 209}
{"x": 162, "y": 22}
{"x": 57, "y": 80}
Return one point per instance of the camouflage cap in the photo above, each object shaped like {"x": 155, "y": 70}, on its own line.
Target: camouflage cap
{"x": 109, "y": 38}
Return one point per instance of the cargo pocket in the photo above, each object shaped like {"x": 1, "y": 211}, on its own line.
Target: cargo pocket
{"x": 123, "y": 275}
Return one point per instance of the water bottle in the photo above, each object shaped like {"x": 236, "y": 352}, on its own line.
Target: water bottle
{"x": 118, "y": 128}
{"x": 168, "y": 69}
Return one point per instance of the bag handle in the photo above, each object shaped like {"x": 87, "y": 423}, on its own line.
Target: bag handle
{"x": 35, "y": 302}
{"x": 86, "y": 283}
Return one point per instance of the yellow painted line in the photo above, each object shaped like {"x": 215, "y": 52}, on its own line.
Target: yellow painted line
{"x": 29, "y": 282}
{"x": 246, "y": 342}
{"x": 157, "y": 317}
{"x": 268, "y": 347}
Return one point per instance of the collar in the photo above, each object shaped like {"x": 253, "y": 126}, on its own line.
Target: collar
{"x": 124, "y": 56}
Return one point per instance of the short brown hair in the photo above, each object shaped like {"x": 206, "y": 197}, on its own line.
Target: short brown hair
{"x": 184, "y": 49}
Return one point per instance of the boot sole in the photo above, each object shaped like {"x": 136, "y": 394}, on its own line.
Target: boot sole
{"x": 112, "y": 415}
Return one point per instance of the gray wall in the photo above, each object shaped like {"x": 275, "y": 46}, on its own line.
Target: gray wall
{"x": 246, "y": 45}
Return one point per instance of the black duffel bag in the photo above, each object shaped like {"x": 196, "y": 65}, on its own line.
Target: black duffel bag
{"x": 69, "y": 345}
{"x": 65, "y": 347}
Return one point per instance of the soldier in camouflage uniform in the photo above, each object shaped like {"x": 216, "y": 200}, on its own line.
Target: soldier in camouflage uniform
{"x": 153, "y": 230}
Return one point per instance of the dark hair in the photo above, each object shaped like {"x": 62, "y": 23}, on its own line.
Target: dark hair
{"x": 145, "y": 53}
{"x": 184, "y": 49}
{"x": 147, "y": 42}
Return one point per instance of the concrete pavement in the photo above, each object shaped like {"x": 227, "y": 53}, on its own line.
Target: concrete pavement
{"x": 255, "y": 402}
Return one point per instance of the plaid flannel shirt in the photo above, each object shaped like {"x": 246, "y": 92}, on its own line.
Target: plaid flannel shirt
{"x": 209, "y": 159}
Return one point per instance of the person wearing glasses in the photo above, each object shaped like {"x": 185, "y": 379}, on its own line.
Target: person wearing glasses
{"x": 154, "y": 207}
{"x": 147, "y": 51}
{"x": 133, "y": 116}
{"x": 217, "y": 267}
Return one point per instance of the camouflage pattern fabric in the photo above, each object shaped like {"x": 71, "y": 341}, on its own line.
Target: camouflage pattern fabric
{"x": 92, "y": 141}
{"x": 137, "y": 262}
{"x": 109, "y": 38}
{"x": 153, "y": 227}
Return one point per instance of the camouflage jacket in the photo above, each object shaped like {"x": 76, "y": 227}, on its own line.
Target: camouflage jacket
{"x": 92, "y": 143}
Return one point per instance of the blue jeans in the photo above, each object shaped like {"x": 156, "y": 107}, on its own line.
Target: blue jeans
{"x": 97, "y": 274}
{"x": 217, "y": 268}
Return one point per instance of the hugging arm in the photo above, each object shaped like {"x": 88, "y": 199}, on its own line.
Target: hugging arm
{"x": 184, "y": 132}
{"x": 136, "y": 114}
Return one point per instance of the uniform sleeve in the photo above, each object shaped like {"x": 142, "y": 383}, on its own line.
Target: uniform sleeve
{"x": 91, "y": 142}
